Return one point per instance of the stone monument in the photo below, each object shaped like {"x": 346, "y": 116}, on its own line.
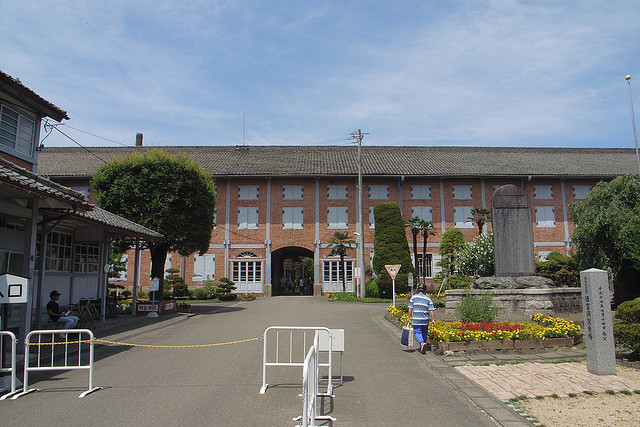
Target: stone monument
{"x": 598, "y": 323}
{"x": 512, "y": 232}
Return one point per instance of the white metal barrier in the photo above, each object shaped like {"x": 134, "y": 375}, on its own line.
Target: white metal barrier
{"x": 11, "y": 369}
{"x": 61, "y": 354}
{"x": 292, "y": 360}
{"x": 310, "y": 387}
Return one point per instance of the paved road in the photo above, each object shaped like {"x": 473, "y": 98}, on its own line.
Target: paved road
{"x": 384, "y": 383}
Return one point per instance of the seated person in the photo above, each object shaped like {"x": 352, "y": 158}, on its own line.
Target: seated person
{"x": 56, "y": 315}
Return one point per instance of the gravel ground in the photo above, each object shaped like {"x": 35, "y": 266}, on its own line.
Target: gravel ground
{"x": 600, "y": 409}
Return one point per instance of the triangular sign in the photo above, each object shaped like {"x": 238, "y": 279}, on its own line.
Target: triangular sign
{"x": 393, "y": 270}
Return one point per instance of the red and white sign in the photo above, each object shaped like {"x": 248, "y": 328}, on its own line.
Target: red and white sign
{"x": 393, "y": 270}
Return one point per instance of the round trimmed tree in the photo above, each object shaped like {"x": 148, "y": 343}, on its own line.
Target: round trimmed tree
{"x": 166, "y": 193}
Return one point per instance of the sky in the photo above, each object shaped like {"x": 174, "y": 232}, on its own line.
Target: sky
{"x": 428, "y": 73}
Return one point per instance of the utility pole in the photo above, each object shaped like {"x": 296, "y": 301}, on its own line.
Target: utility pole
{"x": 357, "y": 137}
{"x": 633, "y": 119}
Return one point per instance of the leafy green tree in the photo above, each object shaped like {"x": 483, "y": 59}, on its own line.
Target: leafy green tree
{"x": 391, "y": 247}
{"x": 480, "y": 217}
{"x": 451, "y": 245}
{"x": 166, "y": 193}
{"x": 340, "y": 243}
{"x": 607, "y": 233}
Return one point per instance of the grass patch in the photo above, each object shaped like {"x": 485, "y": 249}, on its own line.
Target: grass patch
{"x": 636, "y": 391}
{"x": 540, "y": 397}
{"x": 560, "y": 361}
{"x": 573, "y": 395}
{"x": 626, "y": 392}
{"x": 555, "y": 396}
{"x": 351, "y": 297}
{"x": 589, "y": 393}
{"x": 521, "y": 398}
{"x": 611, "y": 392}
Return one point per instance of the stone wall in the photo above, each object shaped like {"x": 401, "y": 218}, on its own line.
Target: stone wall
{"x": 523, "y": 301}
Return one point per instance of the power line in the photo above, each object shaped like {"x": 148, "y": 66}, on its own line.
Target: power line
{"x": 80, "y": 145}
{"x": 97, "y": 136}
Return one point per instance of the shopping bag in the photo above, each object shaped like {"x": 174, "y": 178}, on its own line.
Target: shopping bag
{"x": 406, "y": 332}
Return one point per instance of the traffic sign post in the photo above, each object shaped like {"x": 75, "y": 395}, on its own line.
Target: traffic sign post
{"x": 155, "y": 286}
{"x": 393, "y": 270}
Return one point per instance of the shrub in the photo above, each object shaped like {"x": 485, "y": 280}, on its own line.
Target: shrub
{"x": 200, "y": 293}
{"x": 563, "y": 270}
{"x": 372, "y": 289}
{"x": 142, "y": 294}
{"x": 180, "y": 290}
{"x": 438, "y": 303}
{"x": 228, "y": 297}
{"x": 477, "y": 308}
{"x": 629, "y": 311}
{"x": 125, "y": 294}
{"x": 167, "y": 294}
{"x": 477, "y": 259}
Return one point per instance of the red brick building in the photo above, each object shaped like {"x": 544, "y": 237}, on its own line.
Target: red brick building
{"x": 280, "y": 203}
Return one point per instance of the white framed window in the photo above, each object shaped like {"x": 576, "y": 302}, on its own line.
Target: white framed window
{"x": 292, "y": 192}
{"x": 545, "y": 216}
{"x": 247, "y": 218}
{"x": 292, "y": 218}
{"x": 332, "y": 273}
{"x": 122, "y": 275}
{"x": 372, "y": 219}
{"x": 543, "y": 192}
{"x": 542, "y": 255}
{"x": 248, "y": 192}
{"x": 337, "y": 192}
{"x": 247, "y": 275}
{"x": 422, "y": 212}
{"x": 378, "y": 192}
{"x": 16, "y": 131}
{"x": 420, "y": 192}
{"x": 461, "y": 215}
{"x": 86, "y": 258}
{"x": 462, "y": 192}
{"x": 337, "y": 217}
{"x": 204, "y": 267}
{"x": 425, "y": 267}
{"x": 58, "y": 252}
{"x": 580, "y": 191}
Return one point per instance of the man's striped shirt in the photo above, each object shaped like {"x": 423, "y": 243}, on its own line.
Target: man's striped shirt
{"x": 421, "y": 304}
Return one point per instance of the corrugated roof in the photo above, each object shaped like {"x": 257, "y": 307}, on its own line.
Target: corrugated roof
{"x": 112, "y": 221}
{"x": 23, "y": 179}
{"x": 31, "y": 99}
{"x": 377, "y": 160}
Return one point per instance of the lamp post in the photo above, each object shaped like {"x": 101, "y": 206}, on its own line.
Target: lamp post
{"x": 633, "y": 119}
{"x": 357, "y": 137}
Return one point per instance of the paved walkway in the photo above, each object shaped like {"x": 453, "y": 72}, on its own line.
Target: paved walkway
{"x": 534, "y": 379}
{"x": 385, "y": 384}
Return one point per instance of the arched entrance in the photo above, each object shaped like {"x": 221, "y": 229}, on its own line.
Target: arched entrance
{"x": 290, "y": 265}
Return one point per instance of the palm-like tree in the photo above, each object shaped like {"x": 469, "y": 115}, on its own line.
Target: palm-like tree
{"x": 339, "y": 244}
{"x": 415, "y": 224}
{"x": 427, "y": 230}
{"x": 480, "y": 217}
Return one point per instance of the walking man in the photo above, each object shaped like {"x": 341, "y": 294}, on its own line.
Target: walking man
{"x": 421, "y": 311}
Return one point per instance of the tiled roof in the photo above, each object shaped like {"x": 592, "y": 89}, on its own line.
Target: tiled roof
{"x": 31, "y": 99}
{"x": 116, "y": 222}
{"x": 22, "y": 178}
{"x": 377, "y": 160}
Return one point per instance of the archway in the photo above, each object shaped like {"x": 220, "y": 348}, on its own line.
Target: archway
{"x": 290, "y": 265}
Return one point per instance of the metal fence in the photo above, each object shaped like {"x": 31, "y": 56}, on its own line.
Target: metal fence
{"x": 287, "y": 346}
{"x": 58, "y": 350}
{"x": 11, "y": 370}
{"x": 310, "y": 387}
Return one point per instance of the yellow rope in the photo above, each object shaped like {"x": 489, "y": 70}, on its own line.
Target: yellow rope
{"x": 144, "y": 345}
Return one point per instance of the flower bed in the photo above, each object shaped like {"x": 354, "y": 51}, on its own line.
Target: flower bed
{"x": 541, "y": 328}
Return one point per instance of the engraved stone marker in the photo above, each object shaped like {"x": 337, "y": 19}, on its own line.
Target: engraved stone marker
{"x": 598, "y": 324}
{"x": 512, "y": 232}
